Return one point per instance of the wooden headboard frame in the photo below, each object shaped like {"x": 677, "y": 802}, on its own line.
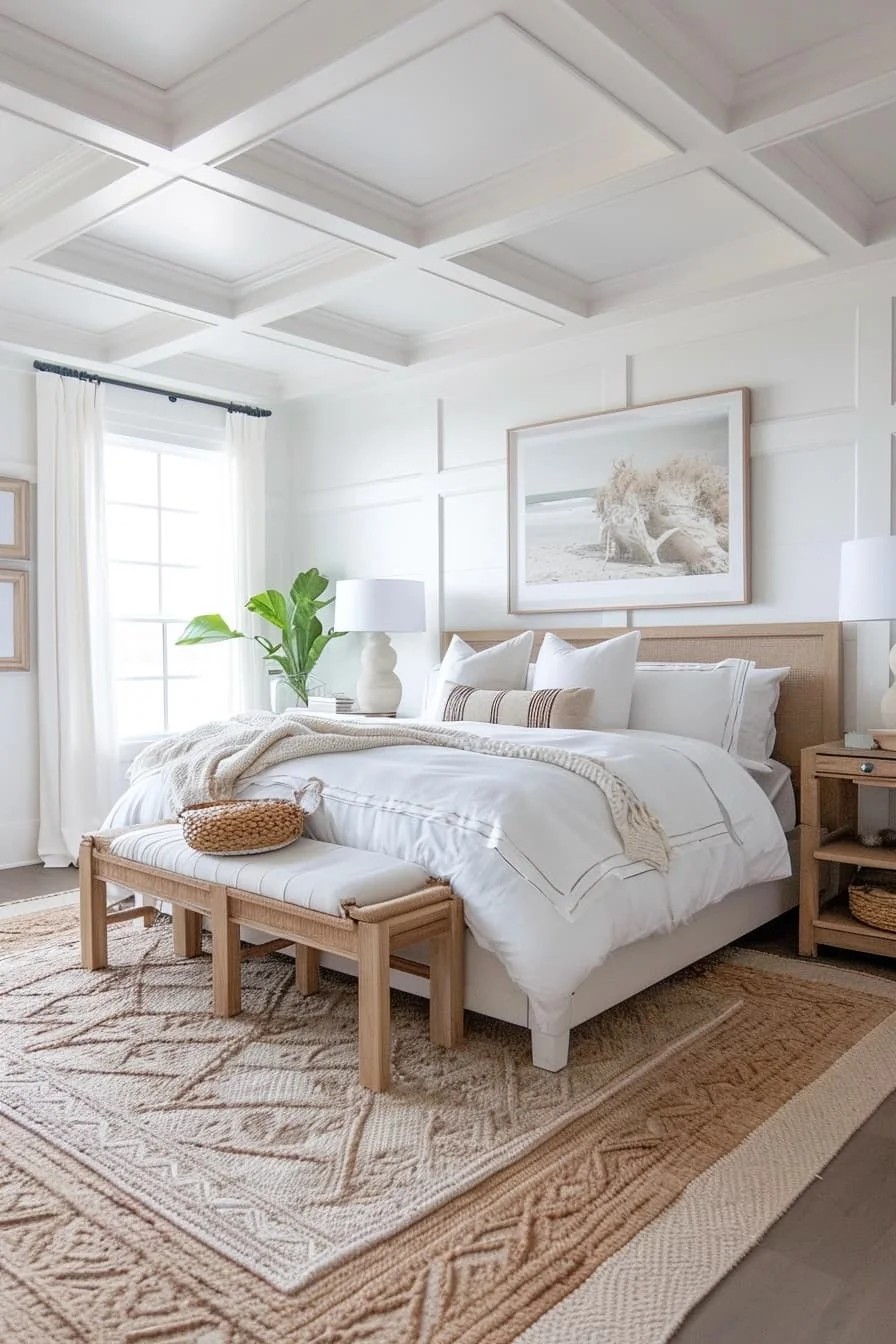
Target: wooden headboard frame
{"x": 810, "y": 709}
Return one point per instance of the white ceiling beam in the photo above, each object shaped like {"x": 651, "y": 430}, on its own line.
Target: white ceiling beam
{"x": 277, "y": 177}
{"x": 811, "y": 174}
{"x": 731, "y": 263}
{"x": 818, "y": 217}
{"x": 330, "y": 334}
{"x": 62, "y": 210}
{"x": 512, "y": 277}
{"x": 644, "y": 36}
{"x": 852, "y": 71}
{"x": 883, "y": 223}
{"x": 152, "y": 337}
{"x": 454, "y": 240}
{"x": 70, "y": 91}
{"x": 232, "y": 381}
{"x": 303, "y": 288}
{"x": 451, "y": 348}
{"x": 550, "y": 186}
{"x": 43, "y": 338}
{"x": 130, "y": 275}
{"x": 316, "y": 52}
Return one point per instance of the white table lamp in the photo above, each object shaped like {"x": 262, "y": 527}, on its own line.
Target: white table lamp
{"x": 868, "y": 593}
{"x": 375, "y": 606}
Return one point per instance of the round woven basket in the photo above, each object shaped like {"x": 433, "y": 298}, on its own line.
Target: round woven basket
{"x": 873, "y": 901}
{"x": 241, "y": 825}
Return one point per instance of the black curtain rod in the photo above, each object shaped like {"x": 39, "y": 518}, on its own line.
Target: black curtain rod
{"x": 231, "y": 407}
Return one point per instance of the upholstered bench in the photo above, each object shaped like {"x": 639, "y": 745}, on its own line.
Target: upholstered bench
{"x": 317, "y": 896}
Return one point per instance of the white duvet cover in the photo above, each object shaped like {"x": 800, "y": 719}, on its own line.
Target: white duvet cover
{"x": 532, "y": 848}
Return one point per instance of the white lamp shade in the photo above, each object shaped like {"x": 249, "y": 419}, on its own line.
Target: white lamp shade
{"x": 868, "y": 579}
{"x": 390, "y": 605}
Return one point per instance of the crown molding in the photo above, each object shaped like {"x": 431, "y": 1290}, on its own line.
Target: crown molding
{"x": 134, "y": 276}
{"x": 57, "y": 76}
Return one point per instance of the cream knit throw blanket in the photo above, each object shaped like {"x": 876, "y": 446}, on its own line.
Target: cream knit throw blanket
{"x": 210, "y": 762}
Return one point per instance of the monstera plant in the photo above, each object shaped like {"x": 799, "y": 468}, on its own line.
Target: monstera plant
{"x": 300, "y": 638}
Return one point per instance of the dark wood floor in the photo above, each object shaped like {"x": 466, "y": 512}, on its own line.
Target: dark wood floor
{"x": 824, "y": 1274}
{"x": 18, "y": 883}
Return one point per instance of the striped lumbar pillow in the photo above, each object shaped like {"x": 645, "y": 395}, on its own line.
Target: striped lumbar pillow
{"x": 516, "y": 709}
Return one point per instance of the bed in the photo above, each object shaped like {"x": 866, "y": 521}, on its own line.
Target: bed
{"x": 521, "y": 938}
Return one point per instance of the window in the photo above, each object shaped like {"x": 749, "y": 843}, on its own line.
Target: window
{"x": 168, "y": 562}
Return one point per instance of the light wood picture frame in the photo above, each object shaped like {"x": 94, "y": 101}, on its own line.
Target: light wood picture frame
{"x": 15, "y": 522}
{"x": 15, "y": 632}
{"x": 637, "y": 509}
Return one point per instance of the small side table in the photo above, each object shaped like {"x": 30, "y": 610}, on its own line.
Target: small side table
{"x": 831, "y": 776}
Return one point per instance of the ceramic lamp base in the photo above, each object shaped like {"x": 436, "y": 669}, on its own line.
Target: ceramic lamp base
{"x": 888, "y": 704}
{"x": 379, "y": 690}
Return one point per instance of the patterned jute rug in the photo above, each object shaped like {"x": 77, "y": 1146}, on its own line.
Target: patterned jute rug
{"x": 166, "y": 1176}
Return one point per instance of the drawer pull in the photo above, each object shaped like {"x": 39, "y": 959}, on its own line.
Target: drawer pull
{"x": 867, "y": 767}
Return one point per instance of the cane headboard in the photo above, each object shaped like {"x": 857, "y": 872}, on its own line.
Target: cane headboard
{"x": 809, "y": 711}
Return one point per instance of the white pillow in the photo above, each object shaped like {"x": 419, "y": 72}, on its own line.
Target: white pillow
{"x": 503, "y": 667}
{"x": 702, "y": 700}
{"x": 608, "y": 669}
{"x": 756, "y": 739}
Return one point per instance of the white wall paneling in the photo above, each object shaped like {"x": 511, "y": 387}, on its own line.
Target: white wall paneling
{"x": 819, "y": 360}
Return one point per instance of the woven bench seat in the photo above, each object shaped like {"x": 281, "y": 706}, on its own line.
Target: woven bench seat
{"x": 310, "y": 873}
{"x": 316, "y": 897}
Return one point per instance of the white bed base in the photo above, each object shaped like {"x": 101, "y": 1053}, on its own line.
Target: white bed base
{"x": 489, "y": 989}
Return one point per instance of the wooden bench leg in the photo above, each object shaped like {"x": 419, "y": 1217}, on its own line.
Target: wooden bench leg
{"x": 226, "y": 960}
{"x": 187, "y": 927}
{"x": 374, "y": 1025}
{"x": 94, "y": 933}
{"x": 446, "y": 981}
{"x": 307, "y": 969}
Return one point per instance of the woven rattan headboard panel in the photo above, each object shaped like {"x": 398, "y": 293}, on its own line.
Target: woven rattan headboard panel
{"x": 810, "y": 708}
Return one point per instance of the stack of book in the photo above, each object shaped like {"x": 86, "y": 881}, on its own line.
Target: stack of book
{"x": 337, "y": 703}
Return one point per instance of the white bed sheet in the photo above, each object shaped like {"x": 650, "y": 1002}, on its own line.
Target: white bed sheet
{"x": 777, "y": 786}
{"x": 531, "y": 848}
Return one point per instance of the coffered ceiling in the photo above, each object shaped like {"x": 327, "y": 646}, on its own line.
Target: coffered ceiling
{"x": 280, "y": 198}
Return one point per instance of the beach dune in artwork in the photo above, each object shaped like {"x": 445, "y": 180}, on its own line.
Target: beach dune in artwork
{"x": 645, "y": 515}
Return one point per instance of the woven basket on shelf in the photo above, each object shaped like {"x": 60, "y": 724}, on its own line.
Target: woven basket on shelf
{"x": 872, "y": 899}
{"x": 248, "y": 825}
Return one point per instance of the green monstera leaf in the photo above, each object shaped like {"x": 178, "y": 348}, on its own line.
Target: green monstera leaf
{"x": 301, "y": 638}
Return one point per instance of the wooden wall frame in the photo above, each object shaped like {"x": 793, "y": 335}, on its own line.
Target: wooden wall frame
{"x": 529, "y": 597}
{"x": 19, "y": 660}
{"x": 20, "y": 546}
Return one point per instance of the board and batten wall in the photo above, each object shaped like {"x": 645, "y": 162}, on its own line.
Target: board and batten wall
{"x": 408, "y": 479}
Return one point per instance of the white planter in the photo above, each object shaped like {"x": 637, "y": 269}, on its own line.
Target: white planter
{"x": 283, "y": 696}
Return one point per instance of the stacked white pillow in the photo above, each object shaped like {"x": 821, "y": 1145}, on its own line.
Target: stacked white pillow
{"x": 701, "y": 700}
{"x": 608, "y": 669}
{"x": 731, "y": 703}
{"x": 503, "y": 667}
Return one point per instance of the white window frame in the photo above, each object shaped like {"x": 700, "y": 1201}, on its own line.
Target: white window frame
{"x": 181, "y": 446}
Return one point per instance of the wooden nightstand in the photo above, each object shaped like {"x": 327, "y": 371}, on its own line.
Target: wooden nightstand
{"x": 831, "y": 778}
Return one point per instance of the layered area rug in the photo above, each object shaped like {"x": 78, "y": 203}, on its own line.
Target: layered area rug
{"x": 168, "y": 1176}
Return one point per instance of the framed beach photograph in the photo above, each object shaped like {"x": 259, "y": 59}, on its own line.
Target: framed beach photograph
{"x": 646, "y": 507}
{"x": 14, "y": 632}
{"x": 14, "y": 521}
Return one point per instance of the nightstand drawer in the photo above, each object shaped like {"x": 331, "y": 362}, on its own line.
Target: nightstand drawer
{"x": 856, "y": 767}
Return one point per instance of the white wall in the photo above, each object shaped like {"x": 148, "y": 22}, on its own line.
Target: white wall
{"x": 18, "y": 690}
{"x": 409, "y": 479}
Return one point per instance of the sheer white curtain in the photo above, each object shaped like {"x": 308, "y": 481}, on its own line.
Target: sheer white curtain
{"x": 78, "y": 751}
{"x": 245, "y": 449}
